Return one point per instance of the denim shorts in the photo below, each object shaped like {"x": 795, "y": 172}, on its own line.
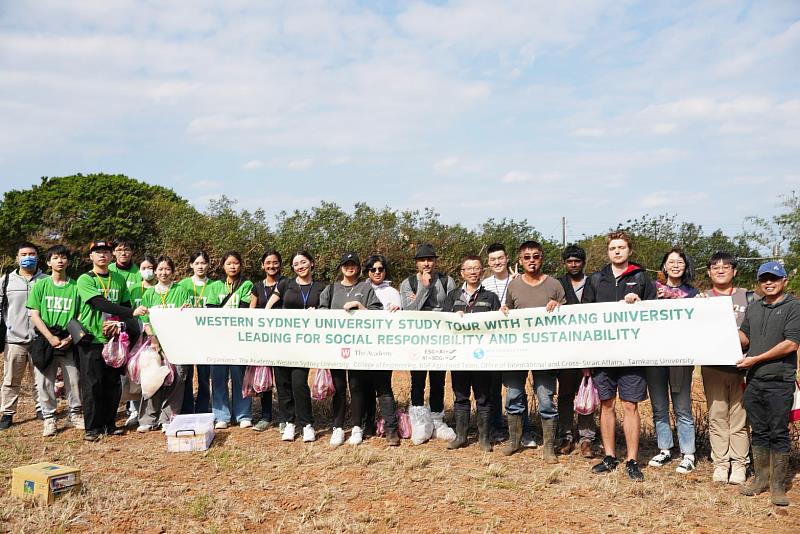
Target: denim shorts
{"x": 630, "y": 382}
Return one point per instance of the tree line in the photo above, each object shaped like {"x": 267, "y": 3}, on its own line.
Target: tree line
{"x": 74, "y": 210}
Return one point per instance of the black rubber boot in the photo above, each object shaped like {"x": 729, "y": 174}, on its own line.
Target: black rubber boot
{"x": 779, "y": 465}
{"x": 462, "y": 424}
{"x": 388, "y": 406}
{"x": 549, "y": 438}
{"x": 760, "y": 483}
{"x": 514, "y": 435}
{"x": 484, "y": 431}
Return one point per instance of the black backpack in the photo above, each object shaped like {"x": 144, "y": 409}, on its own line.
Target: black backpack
{"x": 412, "y": 280}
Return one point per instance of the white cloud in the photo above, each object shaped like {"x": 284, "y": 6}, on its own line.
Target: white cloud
{"x": 300, "y": 164}
{"x": 253, "y": 164}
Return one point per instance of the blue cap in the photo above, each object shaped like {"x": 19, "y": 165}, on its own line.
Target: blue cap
{"x": 772, "y": 267}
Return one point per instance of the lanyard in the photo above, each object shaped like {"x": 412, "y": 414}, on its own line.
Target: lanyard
{"x": 194, "y": 289}
{"x": 164, "y": 296}
{"x": 470, "y": 299}
{"x": 718, "y": 294}
{"x": 306, "y": 294}
{"x": 106, "y": 288}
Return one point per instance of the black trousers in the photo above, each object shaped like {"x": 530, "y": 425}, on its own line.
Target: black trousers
{"x": 496, "y": 400}
{"x": 339, "y": 401}
{"x": 768, "y": 404}
{"x": 100, "y": 387}
{"x": 437, "y": 389}
{"x": 364, "y": 385}
{"x": 203, "y": 402}
{"x": 477, "y": 382}
{"x": 294, "y": 395}
{"x": 266, "y": 405}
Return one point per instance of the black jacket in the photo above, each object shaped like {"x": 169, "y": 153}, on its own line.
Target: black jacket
{"x": 602, "y": 286}
{"x": 569, "y": 292}
{"x": 766, "y": 325}
{"x": 482, "y": 300}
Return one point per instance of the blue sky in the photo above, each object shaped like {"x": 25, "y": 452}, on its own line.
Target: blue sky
{"x": 595, "y": 110}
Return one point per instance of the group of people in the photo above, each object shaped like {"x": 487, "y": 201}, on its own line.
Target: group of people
{"x": 54, "y": 322}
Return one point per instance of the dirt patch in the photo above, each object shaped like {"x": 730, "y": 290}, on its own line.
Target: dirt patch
{"x": 251, "y": 481}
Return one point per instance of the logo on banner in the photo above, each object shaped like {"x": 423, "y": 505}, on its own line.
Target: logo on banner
{"x": 478, "y": 353}
{"x": 345, "y": 352}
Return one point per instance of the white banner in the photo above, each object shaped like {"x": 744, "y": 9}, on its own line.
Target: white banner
{"x": 665, "y": 332}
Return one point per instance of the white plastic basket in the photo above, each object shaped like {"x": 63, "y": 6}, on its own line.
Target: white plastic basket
{"x": 190, "y": 432}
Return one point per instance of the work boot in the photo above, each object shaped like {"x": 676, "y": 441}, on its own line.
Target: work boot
{"x": 462, "y": 424}
{"x": 566, "y": 447}
{"x": 779, "y": 464}
{"x": 549, "y": 439}
{"x": 514, "y": 435}
{"x": 484, "y": 433}
{"x": 761, "y": 468}
{"x": 389, "y": 407}
{"x": 392, "y": 438}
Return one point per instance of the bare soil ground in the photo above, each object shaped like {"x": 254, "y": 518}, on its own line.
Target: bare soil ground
{"x": 250, "y": 481}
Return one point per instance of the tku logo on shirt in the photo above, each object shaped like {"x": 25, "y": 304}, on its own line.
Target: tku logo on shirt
{"x": 58, "y": 304}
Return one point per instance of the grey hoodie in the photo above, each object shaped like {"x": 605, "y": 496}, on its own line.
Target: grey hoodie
{"x": 766, "y": 325}
{"x": 19, "y": 327}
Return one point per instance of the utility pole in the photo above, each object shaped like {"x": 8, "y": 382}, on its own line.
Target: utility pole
{"x": 563, "y": 232}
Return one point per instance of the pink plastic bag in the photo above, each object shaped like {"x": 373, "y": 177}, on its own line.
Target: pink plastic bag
{"x": 115, "y": 352}
{"x": 262, "y": 378}
{"x": 403, "y": 425}
{"x": 587, "y": 400}
{"x": 248, "y": 389}
{"x": 322, "y": 386}
{"x": 794, "y": 414}
{"x": 173, "y": 371}
{"x": 134, "y": 371}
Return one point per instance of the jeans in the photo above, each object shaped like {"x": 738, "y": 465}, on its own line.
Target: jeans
{"x": 436, "y": 397}
{"x": 221, "y": 400}
{"x": 663, "y": 383}
{"x": 544, "y": 384}
{"x": 203, "y": 402}
{"x": 768, "y": 404}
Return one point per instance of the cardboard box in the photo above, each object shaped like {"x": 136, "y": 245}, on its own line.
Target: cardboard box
{"x": 45, "y": 481}
{"x": 190, "y": 432}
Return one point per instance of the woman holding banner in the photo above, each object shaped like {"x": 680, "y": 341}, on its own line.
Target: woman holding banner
{"x": 294, "y": 396}
{"x": 350, "y": 293}
{"x": 272, "y": 263}
{"x": 235, "y": 292}
{"x": 201, "y": 293}
{"x": 674, "y": 382}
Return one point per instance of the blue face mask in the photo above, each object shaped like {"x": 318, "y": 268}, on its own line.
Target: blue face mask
{"x": 28, "y": 262}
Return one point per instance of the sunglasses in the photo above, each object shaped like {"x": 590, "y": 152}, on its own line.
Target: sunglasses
{"x": 528, "y": 257}
{"x": 377, "y": 270}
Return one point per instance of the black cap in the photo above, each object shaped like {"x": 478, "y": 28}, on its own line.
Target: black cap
{"x": 349, "y": 257}
{"x": 425, "y": 250}
{"x": 100, "y": 244}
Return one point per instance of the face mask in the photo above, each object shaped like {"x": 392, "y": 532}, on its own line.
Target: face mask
{"x": 28, "y": 262}
{"x": 147, "y": 274}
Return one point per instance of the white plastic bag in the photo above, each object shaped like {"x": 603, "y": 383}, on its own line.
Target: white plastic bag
{"x": 151, "y": 372}
{"x": 421, "y": 424}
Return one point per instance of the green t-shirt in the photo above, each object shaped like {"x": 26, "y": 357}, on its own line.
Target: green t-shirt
{"x": 136, "y": 292}
{"x": 201, "y": 294}
{"x": 175, "y": 297}
{"x": 131, "y": 274}
{"x": 56, "y": 304}
{"x": 90, "y": 285}
{"x": 242, "y": 293}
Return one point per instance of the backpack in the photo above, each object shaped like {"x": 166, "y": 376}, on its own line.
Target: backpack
{"x": 412, "y": 280}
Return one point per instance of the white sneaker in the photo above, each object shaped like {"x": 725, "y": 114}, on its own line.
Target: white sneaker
{"x": 356, "y": 436}
{"x": 49, "y": 427}
{"x": 738, "y": 474}
{"x": 686, "y": 465}
{"x": 660, "y": 459}
{"x": 309, "y": 434}
{"x": 133, "y": 419}
{"x": 144, "y": 429}
{"x": 245, "y": 423}
{"x": 528, "y": 441}
{"x": 720, "y": 474}
{"x": 288, "y": 432}
{"x": 76, "y": 420}
{"x": 221, "y": 425}
{"x": 337, "y": 436}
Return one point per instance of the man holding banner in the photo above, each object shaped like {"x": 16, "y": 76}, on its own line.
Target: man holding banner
{"x": 620, "y": 280}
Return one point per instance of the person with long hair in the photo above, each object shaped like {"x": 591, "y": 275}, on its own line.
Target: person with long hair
{"x": 349, "y": 293}
{"x": 201, "y": 293}
{"x": 272, "y": 263}
{"x": 674, "y": 382}
{"x": 165, "y": 404}
{"x": 234, "y": 292}
{"x": 294, "y": 396}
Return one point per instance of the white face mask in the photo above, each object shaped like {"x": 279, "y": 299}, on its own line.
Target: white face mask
{"x": 147, "y": 274}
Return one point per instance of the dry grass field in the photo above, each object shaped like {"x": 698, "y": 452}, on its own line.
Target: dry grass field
{"x": 254, "y": 482}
